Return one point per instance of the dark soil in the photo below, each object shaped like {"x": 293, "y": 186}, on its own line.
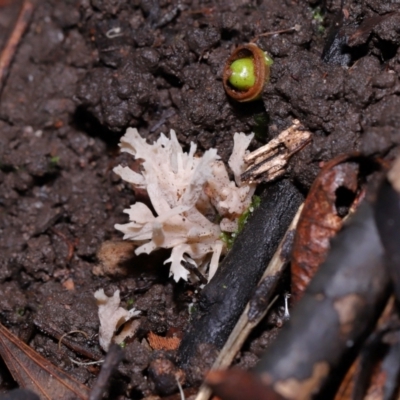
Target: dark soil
{"x": 87, "y": 70}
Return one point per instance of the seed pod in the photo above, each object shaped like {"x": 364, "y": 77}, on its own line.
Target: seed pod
{"x": 246, "y": 72}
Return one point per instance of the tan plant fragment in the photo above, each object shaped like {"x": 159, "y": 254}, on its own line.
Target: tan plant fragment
{"x": 269, "y": 162}
{"x": 112, "y": 317}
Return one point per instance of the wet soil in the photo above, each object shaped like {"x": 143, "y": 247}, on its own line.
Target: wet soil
{"x": 87, "y": 70}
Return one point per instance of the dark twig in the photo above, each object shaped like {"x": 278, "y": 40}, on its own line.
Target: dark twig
{"x": 76, "y": 347}
{"x": 192, "y": 268}
{"x": 10, "y": 48}
{"x": 258, "y": 306}
{"x": 295, "y": 28}
{"x": 223, "y": 300}
{"x": 113, "y": 358}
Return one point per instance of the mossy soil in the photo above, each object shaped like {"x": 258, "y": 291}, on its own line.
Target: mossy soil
{"x": 87, "y": 70}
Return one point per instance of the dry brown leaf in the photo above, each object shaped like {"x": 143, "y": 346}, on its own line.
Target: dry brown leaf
{"x": 34, "y": 372}
{"x": 320, "y": 219}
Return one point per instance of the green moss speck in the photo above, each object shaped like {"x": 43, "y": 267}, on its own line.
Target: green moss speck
{"x": 130, "y": 303}
{"x": 229, "y": 237}
{"x": 268, "y": 59}
{"x": 53, "y": 163}
{"x": 318, "y": 19}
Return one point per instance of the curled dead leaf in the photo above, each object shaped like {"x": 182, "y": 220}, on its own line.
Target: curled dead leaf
{"x": 322, "y": 218}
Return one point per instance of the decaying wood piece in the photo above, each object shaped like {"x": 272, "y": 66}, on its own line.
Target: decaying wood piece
{"x": 269, "y": 162}
{"x": 336, "y": 311}
{"x": 34, "y": 372}
{"x": 258, "y": 306}
{"x": 321, "y": 219}
{"x": 224, "y": 298}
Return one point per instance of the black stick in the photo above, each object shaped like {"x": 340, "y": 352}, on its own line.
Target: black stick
{"x": 114, "y": 357}
{"x": 224, "y": 298}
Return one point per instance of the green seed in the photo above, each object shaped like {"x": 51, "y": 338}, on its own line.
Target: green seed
{"x": 246, "y": 72}
{"x": 242, "y": 77}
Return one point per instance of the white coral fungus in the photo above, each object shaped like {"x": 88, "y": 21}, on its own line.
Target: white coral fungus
{"x": 112, "y": 317}
{"x": 189, "y": 195}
